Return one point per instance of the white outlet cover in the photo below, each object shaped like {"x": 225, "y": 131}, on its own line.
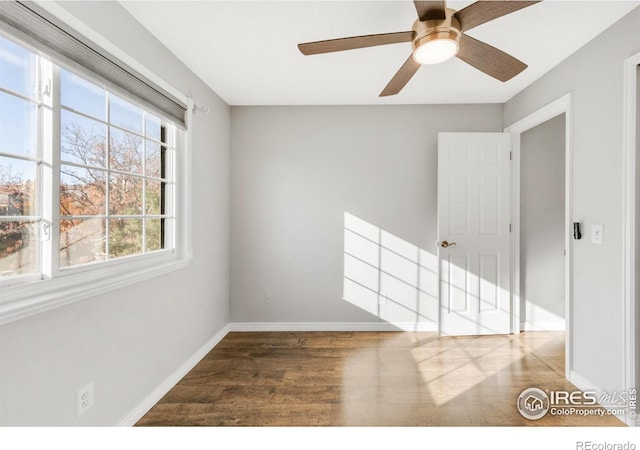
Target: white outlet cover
{"x": 84, "y": 399}
{"x": 597, "y": 233}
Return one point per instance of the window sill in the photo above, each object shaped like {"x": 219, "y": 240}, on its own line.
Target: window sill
{"x": 19, "y": 302}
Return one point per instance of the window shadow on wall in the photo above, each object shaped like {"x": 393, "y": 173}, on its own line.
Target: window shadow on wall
{"x": 389, "y": 277}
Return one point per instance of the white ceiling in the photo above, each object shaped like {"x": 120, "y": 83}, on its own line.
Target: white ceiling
{"x": 246, "y": 50}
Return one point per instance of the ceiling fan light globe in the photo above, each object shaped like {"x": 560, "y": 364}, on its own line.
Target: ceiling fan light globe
{"x": 436, "y": 51}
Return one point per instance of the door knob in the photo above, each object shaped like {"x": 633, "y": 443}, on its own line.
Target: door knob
{"x": 445, "y": 244}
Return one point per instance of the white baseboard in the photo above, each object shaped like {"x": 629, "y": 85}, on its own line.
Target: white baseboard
{"x": 543, "y": 326}
{"x": 332, "y": 326}
{"x": 581, "y": 383}
{"x": 160, "y": 391}
{"x": 584, "y": 385}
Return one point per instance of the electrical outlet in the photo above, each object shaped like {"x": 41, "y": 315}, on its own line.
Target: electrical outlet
{"x": 268, "y": 296}
{"x": 84, "y": 399}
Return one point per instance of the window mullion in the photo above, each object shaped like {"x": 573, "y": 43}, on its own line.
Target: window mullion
{"x": 172, "y": 192}
{"x": 46, "y": 167}
{"x": 52, "y": 164}
{"x": 144, "y": 183}
{"x": 43, "y": 226}
{"x": 107, "y": 205}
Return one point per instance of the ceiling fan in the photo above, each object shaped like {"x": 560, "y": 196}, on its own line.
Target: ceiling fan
{"x": 437, "y": 35}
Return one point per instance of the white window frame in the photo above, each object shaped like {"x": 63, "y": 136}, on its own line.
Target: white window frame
{"x": 57, "y": 162}
{"x": 74, "y": 284}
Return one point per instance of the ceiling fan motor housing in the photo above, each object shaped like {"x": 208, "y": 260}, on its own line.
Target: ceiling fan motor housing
{"x": 431, "y": 30}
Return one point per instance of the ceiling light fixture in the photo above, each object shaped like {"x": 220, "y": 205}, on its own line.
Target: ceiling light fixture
{"x": 436, "y": 41}
{"x": 436, "y": 48}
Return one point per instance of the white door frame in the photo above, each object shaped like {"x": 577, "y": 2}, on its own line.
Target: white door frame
{"x": 553, "y": 109}
{"x": 629, "y": 125}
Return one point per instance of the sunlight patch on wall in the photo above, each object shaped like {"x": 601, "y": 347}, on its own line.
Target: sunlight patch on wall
{"x": 389, "y": 277}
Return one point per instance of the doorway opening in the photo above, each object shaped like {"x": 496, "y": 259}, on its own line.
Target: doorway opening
{"x": 542, "y": 167}
{"x": 542, "y": 228}
{"x": 542, "y": 246}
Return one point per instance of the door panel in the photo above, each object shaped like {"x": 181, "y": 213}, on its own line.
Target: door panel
{"x": 473, "y": 217}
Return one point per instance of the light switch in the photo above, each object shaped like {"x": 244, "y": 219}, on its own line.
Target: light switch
{"x": 597, "y": 233}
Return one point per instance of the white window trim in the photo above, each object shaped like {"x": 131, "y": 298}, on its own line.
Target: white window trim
{"x": 30, "y": 298}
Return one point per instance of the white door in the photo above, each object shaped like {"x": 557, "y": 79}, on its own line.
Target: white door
{"x": 473, "y": 233}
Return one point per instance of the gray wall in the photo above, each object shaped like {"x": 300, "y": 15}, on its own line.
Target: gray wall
{"x": 542, "y": 164}
{"x": 296, "y": 171}
{"x": 130, "y": 340}
{"x": 594, "y": 76}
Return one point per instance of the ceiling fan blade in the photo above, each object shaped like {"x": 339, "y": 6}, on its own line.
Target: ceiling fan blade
{"x": 488, "y": 59}
{"x": 484, "y": 11}
{"x": 430, "y": 10}
{"x": 350, "y": 43}
{"x": 401, "y": 78}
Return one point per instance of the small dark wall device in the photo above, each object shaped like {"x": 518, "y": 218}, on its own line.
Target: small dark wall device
{"x": 577, "y": 234}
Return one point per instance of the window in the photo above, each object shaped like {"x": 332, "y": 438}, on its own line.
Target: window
{"x": 114, "y": 176}
{"x": 87, "y": 176}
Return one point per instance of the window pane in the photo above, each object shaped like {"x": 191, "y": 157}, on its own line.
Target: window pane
{"x": 114, "y": 163}
{"x": 17, "y": 187}
{"x": 17, "y": 125}
{"x": 125, "y": 151}
{"x": 81, "y": 95}
{"x": 81, "y": 241}
{"x": 17, "y": 68}
{"x": 153, "y": 160}
{"x": 154, "y": 197}
{"x": 125, "y": 237}
{"x": 152, "y": 127}
{"x": 82, "y": 191}
{"x": 125, "y": 195}
{"x": 155, "y": 234}
{"x": 18, "y": 244}
{"x": 82, "y": 140}
{"x": 125, "y": 114}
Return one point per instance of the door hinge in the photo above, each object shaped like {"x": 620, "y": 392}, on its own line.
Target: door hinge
{"x": 510, "y": 154}
{"x": 509, "y": 228}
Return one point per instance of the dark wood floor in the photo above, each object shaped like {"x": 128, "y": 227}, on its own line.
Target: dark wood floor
{"x": 368, "y": 379}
